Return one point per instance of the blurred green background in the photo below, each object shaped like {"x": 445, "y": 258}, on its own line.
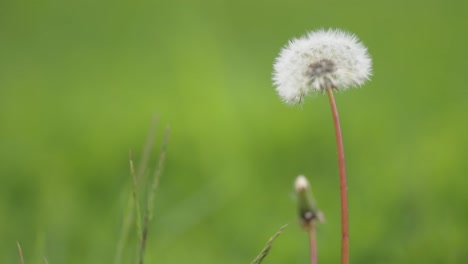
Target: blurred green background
{"x": 81, "y": 80}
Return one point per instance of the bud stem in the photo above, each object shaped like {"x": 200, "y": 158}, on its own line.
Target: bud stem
{"x": 343, "y": 185}
{"x": 313, "y": 246}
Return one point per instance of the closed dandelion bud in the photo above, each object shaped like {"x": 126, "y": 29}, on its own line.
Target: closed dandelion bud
{"x": 307, "y": 209}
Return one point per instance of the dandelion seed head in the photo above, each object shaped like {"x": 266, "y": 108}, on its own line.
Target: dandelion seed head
{"x": 319, "y": 60}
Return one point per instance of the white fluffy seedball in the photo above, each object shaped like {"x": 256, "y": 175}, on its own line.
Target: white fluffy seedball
{"x": 319, "y": 60}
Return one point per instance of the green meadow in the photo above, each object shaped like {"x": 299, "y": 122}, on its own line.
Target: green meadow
{"x": 80, "y": 83}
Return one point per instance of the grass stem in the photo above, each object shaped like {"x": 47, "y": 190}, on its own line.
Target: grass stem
{"x": 20, "y": 253}
{"x": 262, "y": 255}
{"x": 141, "y": 171}
{"x": 136, "y": 203}
{"x": 151, "y": 194}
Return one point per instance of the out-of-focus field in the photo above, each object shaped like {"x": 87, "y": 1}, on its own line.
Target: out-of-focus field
{"x": 81, "y": 80}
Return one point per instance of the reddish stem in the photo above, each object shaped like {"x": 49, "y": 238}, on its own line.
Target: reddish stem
{"x": 343, "y": 185}
{"x": 313, "y": 246}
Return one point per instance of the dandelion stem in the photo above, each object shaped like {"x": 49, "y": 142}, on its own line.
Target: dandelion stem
{"x": 343, "y": 184}
{"x": 313, "y": 245}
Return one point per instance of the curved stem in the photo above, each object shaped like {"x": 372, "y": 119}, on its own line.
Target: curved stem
{"x": 343, "y": 184}
{"x": 313, "y": 246}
